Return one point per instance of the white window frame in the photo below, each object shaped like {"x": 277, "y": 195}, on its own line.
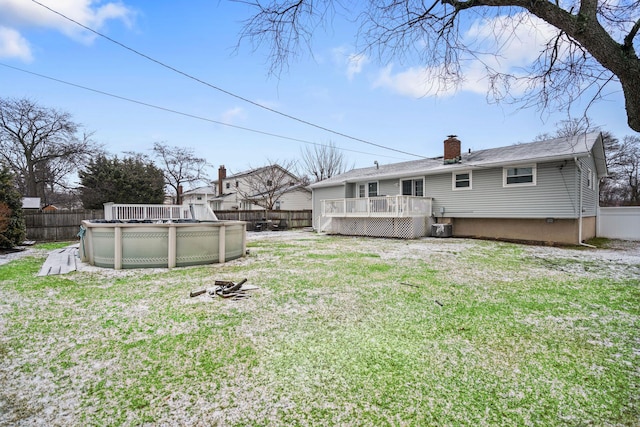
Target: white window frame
{"x": 366, "y": 188}
{"x": 454, "y": 180}
{"x": 590, "y": 179}
{"x": 534, "y": 174}
{"x": 413, "y": 186}
{"x": 363, "y": 187}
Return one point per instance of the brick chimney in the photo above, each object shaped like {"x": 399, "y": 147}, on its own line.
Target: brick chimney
{"x": 222, "y": 175}
{"x": 451, "y": 149}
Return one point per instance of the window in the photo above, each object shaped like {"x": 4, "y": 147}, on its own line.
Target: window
{"x": 519, "y": 176}
{"x": 412, "y": 187}
{"x": 590, "y": 179}
{"x": 461, "y": 180}
{"x": 372, "y": 189}
{"x": 228, "y": 185}
{"x": 276, "y": 205}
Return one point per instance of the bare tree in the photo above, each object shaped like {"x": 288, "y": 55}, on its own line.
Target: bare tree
{"x": 568, "y": 128}
{"x": 594, "y": 43}
{"x": 41, "y": 145}
{"x": 180, "y": 166}
{"x": 265, "y": 185}
{"x": 323, "y": 161}
{"x": 622, "y": 186}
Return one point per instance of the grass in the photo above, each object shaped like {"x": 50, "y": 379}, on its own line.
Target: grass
{"x": 342, "y": 331}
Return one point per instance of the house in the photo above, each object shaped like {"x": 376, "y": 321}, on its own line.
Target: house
{"x": 31, "y": 203}
{"x": 253, "y": 189}
{"x": 544, "y": 191}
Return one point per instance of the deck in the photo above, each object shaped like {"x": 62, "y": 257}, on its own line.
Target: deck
{"x": 405, "y": 217}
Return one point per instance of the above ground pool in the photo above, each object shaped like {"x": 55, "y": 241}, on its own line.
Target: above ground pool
{"x": 145, "y": 243}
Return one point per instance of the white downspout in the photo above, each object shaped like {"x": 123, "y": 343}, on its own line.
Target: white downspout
{"x": 580, "y": 242}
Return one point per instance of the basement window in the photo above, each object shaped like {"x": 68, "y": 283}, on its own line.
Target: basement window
{"x": 519, "y": 176}
{"x": 461, "y": 180}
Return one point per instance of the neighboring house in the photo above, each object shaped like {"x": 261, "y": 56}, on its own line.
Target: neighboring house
{"x": 543, "y": 191}
{"x": 31, "y": 203}
{"x": 199, "y": 195}
{"x": 243, "y": 190}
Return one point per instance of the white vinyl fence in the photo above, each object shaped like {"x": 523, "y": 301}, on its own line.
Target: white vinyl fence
{"x": 621, "y": 222}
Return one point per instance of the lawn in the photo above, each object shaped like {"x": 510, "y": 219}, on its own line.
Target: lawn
{"x": 342, "y": 331}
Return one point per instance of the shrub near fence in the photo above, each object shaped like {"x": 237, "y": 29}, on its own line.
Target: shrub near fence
{"x": 64, "y": 225}
{"x": 57, "y": 225}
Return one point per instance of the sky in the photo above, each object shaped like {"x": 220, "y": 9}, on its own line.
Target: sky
{"x": 215, "y": 112}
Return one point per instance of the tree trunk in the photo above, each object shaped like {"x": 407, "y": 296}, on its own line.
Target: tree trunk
{"x": 631, "y": 91}
{"x": 584, "y": 28}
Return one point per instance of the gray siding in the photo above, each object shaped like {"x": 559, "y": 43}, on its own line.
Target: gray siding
{"x": 320, "y": 194}
{"x": 589, "y": 195}
{"x": 554, "y": 195}
{"x": 350, "y": 191}
{"x": 388, "y": 188}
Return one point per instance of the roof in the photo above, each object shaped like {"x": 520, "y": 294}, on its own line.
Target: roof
{"x": 283, "y": 190}
{"x": 207, "y": 189}
{"x": 533, "y": 152}
{"x": 255, "y": 171}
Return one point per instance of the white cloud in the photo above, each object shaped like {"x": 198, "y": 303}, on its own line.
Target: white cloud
{"x": 414, "y": 82}
{"x": 519, "y": 38}
{"x": 352, "y": 62}
{"x": 355, "y": 63}
{"x": 13, "y": 45}
{"x": 231, "y": 115}
{"x": 20, "y": 15}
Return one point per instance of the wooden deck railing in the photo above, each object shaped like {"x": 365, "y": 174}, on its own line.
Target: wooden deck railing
{"x": 115, "y": 211}
{"x": 382, "y": 206}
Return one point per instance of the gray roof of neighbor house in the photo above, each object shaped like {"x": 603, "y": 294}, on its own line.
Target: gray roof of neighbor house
{"x": 254, "y": 171}
{"x": 285, "y": 189}
{"x": 533, "y": 152}
{"x": 207, "y": 189}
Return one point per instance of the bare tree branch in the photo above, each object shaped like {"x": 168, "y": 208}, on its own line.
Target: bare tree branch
{"x": 584, "y": 51}
{"x": 265, "y": 185}
{"x": 180, "y": 166}
{"x": 41, "y": 145}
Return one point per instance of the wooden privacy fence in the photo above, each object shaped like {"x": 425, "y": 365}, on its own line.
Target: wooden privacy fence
{"x": 295, "y": 219}
{"x": 57, "y": 225}
{"x": 64, "y": 225}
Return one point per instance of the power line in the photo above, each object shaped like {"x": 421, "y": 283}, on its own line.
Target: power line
{"x": 193, "y": 116}
{"x": 189, "y": 76}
